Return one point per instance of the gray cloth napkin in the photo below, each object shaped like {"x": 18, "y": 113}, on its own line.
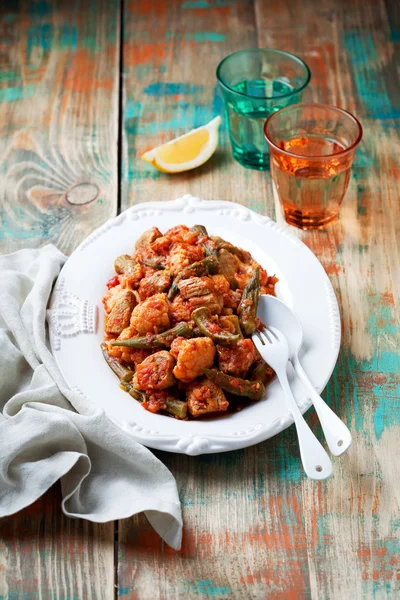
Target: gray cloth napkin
{"x": 48, "y": 432}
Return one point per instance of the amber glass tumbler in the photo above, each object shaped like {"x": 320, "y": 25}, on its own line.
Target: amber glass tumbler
{"x": 312, "y": 148}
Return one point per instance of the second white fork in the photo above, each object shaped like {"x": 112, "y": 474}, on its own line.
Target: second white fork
{"x": 273, "y": 347}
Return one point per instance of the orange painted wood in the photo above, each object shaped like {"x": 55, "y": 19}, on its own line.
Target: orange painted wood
{"x": 59, "y": 83}
{"x": 44, "y": 554}
{"x": 254, "y": 526}
{"x": 171, "y": 52}
{"x": 59, "y": 74}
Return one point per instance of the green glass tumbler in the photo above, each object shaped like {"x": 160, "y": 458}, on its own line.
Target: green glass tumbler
{"x": 255, "y": 84}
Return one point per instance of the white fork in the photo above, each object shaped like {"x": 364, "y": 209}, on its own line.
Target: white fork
{"x": 273, "y": 347}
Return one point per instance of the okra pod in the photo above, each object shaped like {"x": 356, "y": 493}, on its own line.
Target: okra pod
{"x": 200, "y": 228}
{"x": 122, "y": 372}
{"x": 234, "y": 319}
{"x": 235, "y": 385}
{"x": 154, "y": 263}
{"x": 158, "y": 340}
{"x": 176, "y": 408}
{"x": 247, "y": 309}
{"x": 136, "y": 394}
{"x": 211, "y": 329}
{"x": 210, "y": 249}
{"x": 220, "y": 243}
{"x": 262, "y": 372}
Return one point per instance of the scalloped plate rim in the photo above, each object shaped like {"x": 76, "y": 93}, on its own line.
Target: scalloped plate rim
{"x": 197, "y": 444}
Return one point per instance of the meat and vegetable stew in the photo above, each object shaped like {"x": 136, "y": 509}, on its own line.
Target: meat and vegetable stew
{"x": 179, "y": 315}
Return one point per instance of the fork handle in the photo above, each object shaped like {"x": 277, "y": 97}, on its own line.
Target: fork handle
{"x": 316, "y": 462}
{"x": 337, "y": 434}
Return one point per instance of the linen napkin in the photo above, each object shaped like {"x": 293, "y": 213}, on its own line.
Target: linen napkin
{"x": 48, "y": 432}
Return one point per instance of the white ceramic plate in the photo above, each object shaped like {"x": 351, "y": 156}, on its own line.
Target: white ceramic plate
{"x": 76, "y": 322}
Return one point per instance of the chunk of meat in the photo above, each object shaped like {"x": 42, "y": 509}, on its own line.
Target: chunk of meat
{"x": 110, "y": 298}
{"x": 204, "y": 396}
{"x": 121, "y": 313}
{"x": 181, "y": 255}
{"x": 131, "y": 279}
{"x": 201, "y": 291}
{"x": 244, "y": 274}
{"x": 213, "y": 301}
{"x": 156, "y": 283}
{"x": 228, "y": 264}
{"x": 148, "y": 237}
{"x": 124, "y": 265}
{"x": 182, "y": 233}
{"x": 269, "y": 287}
{"x": 160, "y": 247}
{"x": 151, "y": 316}
{"x": 195, "y": 287}
{"x": 155, "y": 372}
{"x": 231, "y": 298}
{"x": 191, "y": 356}
{"x": 180, "y": 310}
{"x": 242, "y": 255}
{"x": 237, "y": 358}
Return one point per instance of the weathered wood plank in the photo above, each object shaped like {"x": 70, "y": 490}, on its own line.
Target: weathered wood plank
{"x": 244, "y": 530}
{"x": 58, "y": 120}
{"x": 171, "y": 52}
{"x": 59, "y": 69}
{"x": 231, "y": 502}
{"x": 254, "y": 527}
{"x": 45, "y": 555}
{"x": 352, "y": 524}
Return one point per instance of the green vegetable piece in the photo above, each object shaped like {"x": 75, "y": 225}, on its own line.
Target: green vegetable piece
{"x": 158, "y": 340}
{"x": 247, "y": 309}
{"x": 196, "y": 332}
{"x": 235, "y": 385}
{"x": 120, "y": 371}
{"x": 154, "y": 263}
{"x": 200, "y": 228}
{"x": 176, "y": 408}
{"x": 233, "y": 284}
{"x": 210, "y": 249}
{"x": 136, "y": 394}
{"x": 209, "y": 328}
{"x": 220, "y": 244}
{"x": 173, "y": 291}
{"x": 234, "y": 319}
{"x": 262, "y": 372}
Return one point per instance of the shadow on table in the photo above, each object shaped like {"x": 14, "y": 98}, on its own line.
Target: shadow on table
{"x": 219, "y": 160}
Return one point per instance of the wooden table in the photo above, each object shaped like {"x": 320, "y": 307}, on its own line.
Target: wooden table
{"x": 85, "y": 88}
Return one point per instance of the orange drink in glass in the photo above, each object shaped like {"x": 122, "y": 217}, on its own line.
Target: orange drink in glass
{"x": 312, "y": 147}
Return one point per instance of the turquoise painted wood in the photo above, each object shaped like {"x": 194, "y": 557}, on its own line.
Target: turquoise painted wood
{"x": 59, "y": 76}
{"x": 254, "y": 526}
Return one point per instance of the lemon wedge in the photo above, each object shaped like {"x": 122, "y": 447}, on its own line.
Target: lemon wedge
{"x": 187, "y": 151}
